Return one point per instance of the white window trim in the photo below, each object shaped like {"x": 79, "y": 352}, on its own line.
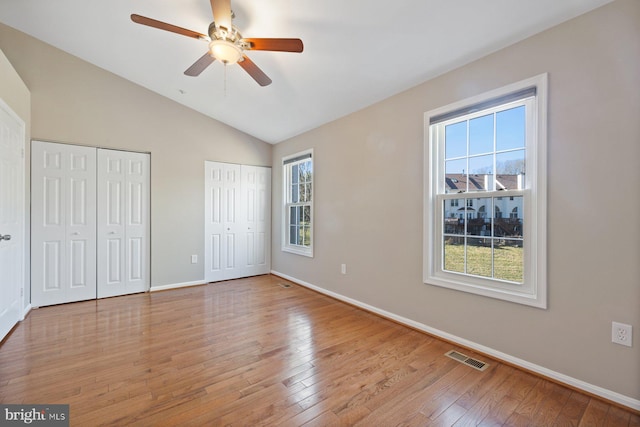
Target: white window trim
{"x": 534, "y": 290}
{"x": 286, "y": 247}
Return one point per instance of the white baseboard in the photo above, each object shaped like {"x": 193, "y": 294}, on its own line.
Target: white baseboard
{"x": 177, "y": 285}
{"x": 548, "y": 373}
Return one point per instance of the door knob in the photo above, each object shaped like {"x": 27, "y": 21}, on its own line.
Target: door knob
{"x": 5, "y": 237}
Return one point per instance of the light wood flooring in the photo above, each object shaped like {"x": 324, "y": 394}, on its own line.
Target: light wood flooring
{"x": 254, "y": 352}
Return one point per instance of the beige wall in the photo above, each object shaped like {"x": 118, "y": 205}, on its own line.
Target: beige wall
{"x": 15, "y": 94}
{"x": 75, "y": 102}
{"x": 368, "y": 203}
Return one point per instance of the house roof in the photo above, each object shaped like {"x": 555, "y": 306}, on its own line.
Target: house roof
{"x": 457, "y": 182}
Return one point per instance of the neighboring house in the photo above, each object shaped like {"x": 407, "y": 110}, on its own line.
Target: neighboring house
{"x": 505, "y": 217}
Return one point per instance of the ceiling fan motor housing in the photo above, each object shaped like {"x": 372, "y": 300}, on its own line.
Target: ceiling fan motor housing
{"x": 226, "y": 45}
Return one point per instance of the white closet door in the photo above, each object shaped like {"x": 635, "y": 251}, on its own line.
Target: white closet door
{"x": 223, "y": 245}
{"x": 123, "y": 223}
{"x": 63, "y": 227}
{"x": 256, "y": 215}
{"x": 12, "y": 132}
{"x": 237, "y": 221}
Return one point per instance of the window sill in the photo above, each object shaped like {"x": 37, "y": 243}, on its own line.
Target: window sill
{"x": 523, "y": 295}
{"x": 297, "y": 251}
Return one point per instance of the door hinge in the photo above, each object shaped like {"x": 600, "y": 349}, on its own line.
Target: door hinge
{"x": 21, "y": 292}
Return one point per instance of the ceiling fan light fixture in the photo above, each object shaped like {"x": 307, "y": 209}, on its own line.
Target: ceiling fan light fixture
{"x": 225, "y": 51}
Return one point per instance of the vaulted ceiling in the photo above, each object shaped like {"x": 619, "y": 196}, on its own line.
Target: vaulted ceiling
{"x": 356, "y": 52}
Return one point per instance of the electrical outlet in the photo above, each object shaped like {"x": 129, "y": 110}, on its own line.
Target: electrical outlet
{"x": 194, "y": 259}
{"x": 343, "y": 269}
{"x": 621, "y": 334}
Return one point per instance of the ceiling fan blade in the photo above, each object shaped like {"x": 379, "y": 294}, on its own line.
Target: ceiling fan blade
{"x": 167, "y": 27}
{"x": 256, "y": 73}
{"x": 221, "y": 13}
{"x": 199, "y": 66}
{"x": 280, "y": 45}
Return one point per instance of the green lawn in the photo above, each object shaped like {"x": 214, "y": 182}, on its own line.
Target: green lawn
{"x": 508, "y": 261}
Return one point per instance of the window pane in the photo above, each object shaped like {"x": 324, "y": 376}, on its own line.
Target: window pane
{"x": 305, "y": 236}
{"x": 307, "y": 192}
{"x": 307, "y": 177}
{"x": 455, "y": 140}
{"x": 508, "y": 259}
{"x": 480, "y": 223}
{"x": 479, "y": 257}
{"x": 293, "y": 235}
{"x": 306, "y": 215}
{"x": 301, "y": 236}
{"x": 509, "y": 222}
{"x": 481, "y": 173}
{"x": 303, "y": 194}
{"x": 510, "y": 128}
{"x": 510, "y": 169}
{"x": 305, "y": 171}
{"x": 455, "y": 179}
{"x": 454, "y": 216}
{"x": 454, "y": 254}
{"x": 294, "y": 174}
{"x": 481, "y": 135}
{"x": 299, "y": 214}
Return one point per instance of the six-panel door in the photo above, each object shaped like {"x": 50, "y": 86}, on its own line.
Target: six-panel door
{"x": 222, "y": 222}
{"x": 12, "y": 133}
{"x": 237, "y": 221}
{"x": 63, "y": 223}
{"x": 256, "y": 215}
{"x": 123, "y": 222}
{"x": 90, "y": 223}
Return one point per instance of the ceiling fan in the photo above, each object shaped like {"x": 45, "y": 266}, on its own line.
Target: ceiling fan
{"x": 226, "y": 44}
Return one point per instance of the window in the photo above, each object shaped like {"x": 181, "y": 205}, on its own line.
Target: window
{"x": 487, "y": 155}
{"x": 298, "y": 200}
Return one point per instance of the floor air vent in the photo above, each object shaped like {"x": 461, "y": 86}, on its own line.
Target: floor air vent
{"x": 284, "y": 285}
{"x": 474, "y": 363}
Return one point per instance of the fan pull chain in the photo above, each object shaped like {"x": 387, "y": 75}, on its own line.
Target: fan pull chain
{"x": 225, "y": 79}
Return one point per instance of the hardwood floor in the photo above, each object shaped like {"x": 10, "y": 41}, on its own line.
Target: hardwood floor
{"x": 254, "y": 352}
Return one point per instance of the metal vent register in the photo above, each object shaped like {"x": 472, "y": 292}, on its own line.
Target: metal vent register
{"x": 462, "y": 358}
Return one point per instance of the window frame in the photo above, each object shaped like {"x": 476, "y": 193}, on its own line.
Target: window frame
{"x": 287, "y": 164}
{"x": 533, "y": 290}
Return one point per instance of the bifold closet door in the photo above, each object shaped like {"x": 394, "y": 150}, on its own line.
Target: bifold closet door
{"x": 256, "y": 218}
{"x": 237, "y": 221}
{"x": 123, "y": 223}
{"x": 222, "y": 221}
{"x": 63, "y": 223}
